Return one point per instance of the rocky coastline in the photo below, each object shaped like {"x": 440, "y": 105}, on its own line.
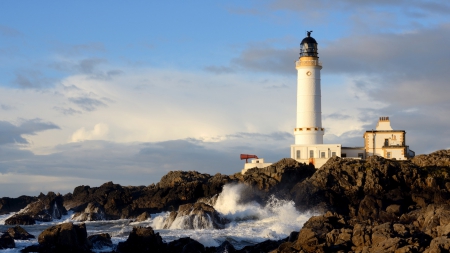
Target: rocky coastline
{"x": 373, "y": 205}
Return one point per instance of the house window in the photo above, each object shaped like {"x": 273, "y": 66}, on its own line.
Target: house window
{"x": 361, "y": 155}
{"x": 298, "y": 154}
{"x": 386, "y": 142}
{"x": 388, "y": 155}
{"x": 322, "y": 154}
{"x": 311, "y": 154}
{"x": 333, "y": 154}
{"x": 343, "y": 155}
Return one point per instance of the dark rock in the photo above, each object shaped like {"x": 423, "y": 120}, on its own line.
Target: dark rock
{"x": 195, "y": 216}
{"x": 46, "y": 208}
{"x": 93, "y": 212}
{"x": 18, "y": 233}
{"x": 265, "y": 246}
{"x": 19, "y": 219}
{"x": 142, "y": 240}
{"x": 143, "y": 217}
{"x": 6, "y": 241}
{"x": 9, "y": 205}
{"x": 185, "y": 245}
{"x": 100, "y": 241}
{"x": 225, "y": 247}
{"x": 65, "y": 237}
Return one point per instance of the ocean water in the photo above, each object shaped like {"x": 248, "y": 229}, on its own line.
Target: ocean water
{"x": 249, "y": 223}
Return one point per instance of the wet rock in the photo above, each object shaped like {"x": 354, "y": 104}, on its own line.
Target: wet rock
{"x": 9, "y": 205}
{"x": 144, "y": 216}
{"x": 18, "y": 233}
{"x": 142, "y": 240}
{"x": 19, "y": 219}
{"x": 93, "y": 212}
{"x": 266, "y": 246}
{"x": 100, "y": 241}
{"x": 225, "y": 247}
{"x": 46, "y": 208}
{"x": 185, "y": 245}
{"x": 6, "y": 241}
{"x": 65, "y": 237}
{"x": 194, "y": 216}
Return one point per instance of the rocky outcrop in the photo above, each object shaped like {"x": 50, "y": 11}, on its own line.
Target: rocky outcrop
{"x": 66, "y": 237}
{"x": 93, "y": 212}
{"x": 22, "y": 219}
{"x": 378, "y": 205}
{"x": 6, "y": 241}
{"x": 144, "y": 216}
{"x": 183, "y": 187}
{"x": 18, "y": 233}
{"x": 142, "y": 240}
{"x": 194, "y": 216}
{"x": 46, "y": 208}
{"x": 9, "y": 205}
{"x": 100, "y": 241}
{"x": 376, "y": 188}
{"x": 440, "y": 158}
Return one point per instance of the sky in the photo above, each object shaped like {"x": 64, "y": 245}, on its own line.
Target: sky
{"x": 98, "y": 91}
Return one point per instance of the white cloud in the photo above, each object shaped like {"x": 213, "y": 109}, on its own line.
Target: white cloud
{"x": 99, "y": 132}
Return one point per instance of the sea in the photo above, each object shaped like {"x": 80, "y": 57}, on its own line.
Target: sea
{"x": 249, "y": 223}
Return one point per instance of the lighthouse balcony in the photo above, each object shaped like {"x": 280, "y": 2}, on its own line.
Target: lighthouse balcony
{"x": 308, "y": 63}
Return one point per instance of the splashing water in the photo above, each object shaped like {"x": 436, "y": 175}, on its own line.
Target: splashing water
{"x": 250, "y": 223}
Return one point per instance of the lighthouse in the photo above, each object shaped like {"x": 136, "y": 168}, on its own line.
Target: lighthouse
{"x": 309, "y": 114}
{"x": 308, "y": 131}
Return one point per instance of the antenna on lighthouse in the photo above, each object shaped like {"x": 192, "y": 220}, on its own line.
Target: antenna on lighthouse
{"x": 309, "y": 33}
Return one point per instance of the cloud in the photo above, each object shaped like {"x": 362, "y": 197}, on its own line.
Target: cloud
{"x": 92, "y": 67}
{"x": 31, "y": 80}
{"x": 7, "y": 107}
{"x": 93, "y": 162}
{"x": 9, "y": 32}
{"x": 219, "y": 69}
{"x": 268, "y": 59}
{"x": 99, "y": 132}
{"x": 10, "y": 133}
{"x": 87, "y": 104}
{"x": 66, "y": 111}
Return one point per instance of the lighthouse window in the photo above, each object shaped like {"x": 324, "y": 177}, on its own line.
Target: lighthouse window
{"x": 311, "y": 154}
{"x": 298, "y": 154}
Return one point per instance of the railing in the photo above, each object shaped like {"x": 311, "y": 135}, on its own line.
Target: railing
{"x": 308, "y": 63}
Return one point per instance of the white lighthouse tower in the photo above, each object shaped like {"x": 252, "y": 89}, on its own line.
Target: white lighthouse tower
{"x": 309, "y": 113}
{"x": 309, "y": 132}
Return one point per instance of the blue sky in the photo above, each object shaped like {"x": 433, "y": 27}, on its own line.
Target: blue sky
{"x": 102, "y": 91}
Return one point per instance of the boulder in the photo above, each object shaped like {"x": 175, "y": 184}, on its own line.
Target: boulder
{"x": 100, "y": 241}
{"x": 65, "y": 237}
{"x": 185, "y": 245}
{"x": 18, "y": 233}
{"x": 194, "y": 216}
{"x": 6, "y": 241}
{"x": 19, "y": 219}
{"x": 225, "y": 247}
{"x": 142, "y": 240}
{"x": 143, "y": 217}
{"x": 93, "y": 212}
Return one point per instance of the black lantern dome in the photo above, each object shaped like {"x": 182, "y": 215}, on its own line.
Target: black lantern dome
{"x": 308, "y": 46}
